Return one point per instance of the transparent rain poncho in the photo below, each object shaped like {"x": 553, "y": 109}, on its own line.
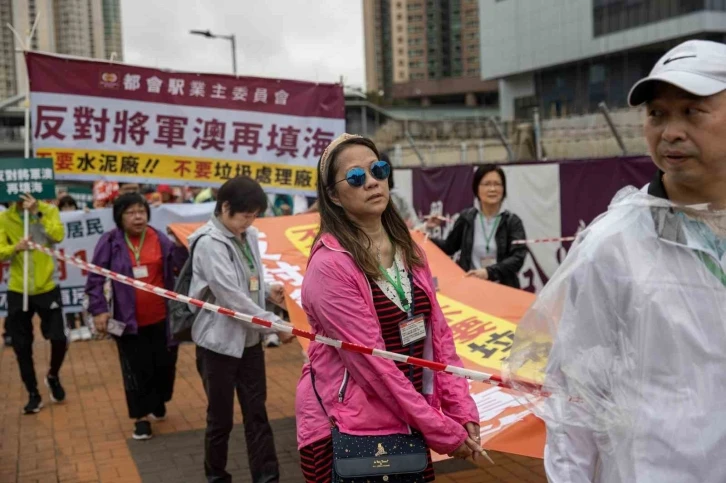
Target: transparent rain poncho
{"x": 623, "y": 354}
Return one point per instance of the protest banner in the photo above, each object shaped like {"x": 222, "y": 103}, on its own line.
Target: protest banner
{"x": 83, "y": 195}
{"x": 483, "y": 317}
{"x": 82, "y": 232}
{"x": 32, "y": 176}
{"x": 119, "y": 122}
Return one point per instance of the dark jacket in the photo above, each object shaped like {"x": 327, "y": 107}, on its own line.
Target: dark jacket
{"x": 656, "y": 186}
{"x": 112, "y": 253}
{"x": 510, "y": 258}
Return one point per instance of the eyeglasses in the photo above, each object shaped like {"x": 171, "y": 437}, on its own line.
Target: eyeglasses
{"x": 356, "y": 177}
{"x": 132, "y": 213}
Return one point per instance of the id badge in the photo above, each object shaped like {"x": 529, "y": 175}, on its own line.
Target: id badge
{"x": 487, "y": 262}
{"x": 254, "y": 284}
{"x": 412, "y": 330}
{"x": 115, "y": 327}
{"x": 141, "y": 271}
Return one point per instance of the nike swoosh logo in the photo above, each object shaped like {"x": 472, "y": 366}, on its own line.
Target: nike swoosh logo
{"x": 672, "y": 59}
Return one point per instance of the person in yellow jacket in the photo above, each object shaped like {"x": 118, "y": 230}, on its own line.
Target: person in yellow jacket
{"x": 44, "y": 296}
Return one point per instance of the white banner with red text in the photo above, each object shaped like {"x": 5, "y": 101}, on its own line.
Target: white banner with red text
{"x": 118, "y": 122}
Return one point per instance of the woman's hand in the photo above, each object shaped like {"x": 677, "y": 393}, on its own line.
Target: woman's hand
{"x": 29, "y": 203}
{"x": 462, "y": 452}
{"x": 481, "y": 273}
{"x": 434, "y": 221}
{"x": 471, "y": 447}
{"x": 474, "y": 431}
{"x": 467, "y": 449}
{"x": 22, "y": 246}
{"x": 101, "y": 322}
{"x": 277, "y": 295}
{"x": 286, "y": 337}
{"x": 475, "y": 435}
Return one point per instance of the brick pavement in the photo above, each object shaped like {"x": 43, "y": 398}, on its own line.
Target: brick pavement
{"x": 86, "y": 439}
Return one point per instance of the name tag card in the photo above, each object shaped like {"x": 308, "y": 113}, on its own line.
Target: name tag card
{"x": 254, "y": 284}
{"x": 141, "y": 271}
{"x": 412, "y": 330}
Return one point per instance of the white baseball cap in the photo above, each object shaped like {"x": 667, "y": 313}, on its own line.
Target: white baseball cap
{"x": 696, "y": 66}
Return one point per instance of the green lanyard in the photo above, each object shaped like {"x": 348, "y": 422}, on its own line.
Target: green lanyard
{"x": 136, "y": 250}
{"x": 488, "y": 238}
{"x": 245, "y": 249}
{"x": 713, "y": 267}
{"x": 398, "y": 286}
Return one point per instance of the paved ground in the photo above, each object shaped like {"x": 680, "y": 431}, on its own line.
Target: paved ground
{"x": 86, "y": 439}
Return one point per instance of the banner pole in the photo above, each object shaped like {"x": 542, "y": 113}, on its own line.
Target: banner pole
{"x": 26, "y": 257}
{"x": 27, "y": 126}
{"x": 26, "y": 215}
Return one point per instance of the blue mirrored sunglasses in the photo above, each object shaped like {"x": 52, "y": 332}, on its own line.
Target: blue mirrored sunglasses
{"x": 356, "y": 177}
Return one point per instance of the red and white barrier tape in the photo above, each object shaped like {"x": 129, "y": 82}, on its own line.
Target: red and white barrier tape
{"x": 414, "y": 361}
{"x": 544, "y": 240}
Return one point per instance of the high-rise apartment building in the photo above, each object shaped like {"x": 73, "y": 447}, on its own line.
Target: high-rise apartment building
{"x": 425, "y": 50}
{"x": 7, "y": 51}
{"x": 21, "y": 14}
{"x": 112, "y": 28}
{"x": 567, "y": 56}
{"x": 78, "y": 28}
{"x": 86, "y": 28}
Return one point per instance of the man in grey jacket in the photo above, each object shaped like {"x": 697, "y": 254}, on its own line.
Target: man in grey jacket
{"x": 228, "y": 271}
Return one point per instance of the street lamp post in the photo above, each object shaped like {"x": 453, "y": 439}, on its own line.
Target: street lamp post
{"x": 231, "y": 38}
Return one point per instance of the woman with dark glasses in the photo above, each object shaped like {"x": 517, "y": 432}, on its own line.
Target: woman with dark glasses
{"x": 368, "y": 283}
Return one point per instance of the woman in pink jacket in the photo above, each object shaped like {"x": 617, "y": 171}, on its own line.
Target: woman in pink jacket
{"x": 366, "y": 280}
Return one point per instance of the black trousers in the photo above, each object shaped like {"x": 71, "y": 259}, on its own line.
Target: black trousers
{"x": 148, "y": 367}
{"x": 223, "y": 375}
{"x": 19, "y": 326}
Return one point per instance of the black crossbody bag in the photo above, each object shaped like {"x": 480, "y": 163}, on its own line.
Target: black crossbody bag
{"x": 389, "y": 458}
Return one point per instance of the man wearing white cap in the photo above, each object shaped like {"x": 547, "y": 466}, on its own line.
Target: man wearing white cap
{"x": 686, "y": 122}
{"x": 633, "y": 324}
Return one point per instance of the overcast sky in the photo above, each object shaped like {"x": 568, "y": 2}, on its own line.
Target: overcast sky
{"x": 316, "y": 40}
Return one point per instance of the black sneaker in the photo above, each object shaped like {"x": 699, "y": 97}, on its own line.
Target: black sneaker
{"x": 57, "y": 393}
{"x": 35, "y": 403}
{"x": 142, "y": 430}
{"x": 7, "y": 340}
{"x": 159, "y": 414}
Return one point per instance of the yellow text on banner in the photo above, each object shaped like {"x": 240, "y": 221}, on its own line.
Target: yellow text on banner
{"x": 302, "y": 237}
{"x": 86, "y": 164}
{"x": 479, "y": 337}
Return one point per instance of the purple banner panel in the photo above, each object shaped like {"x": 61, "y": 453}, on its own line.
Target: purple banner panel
{"x": 442, "y": 191}
{"x": 587, "y": 187}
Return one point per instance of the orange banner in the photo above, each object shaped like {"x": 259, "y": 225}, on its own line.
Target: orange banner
{"x": 482, "y": 315}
